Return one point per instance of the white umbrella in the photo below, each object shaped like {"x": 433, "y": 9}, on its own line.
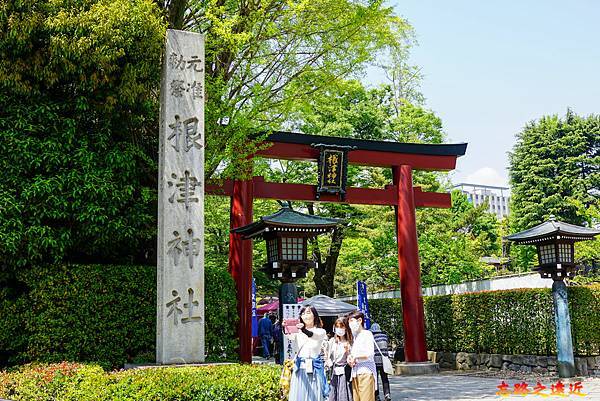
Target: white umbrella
{"x": 327, "y": 306}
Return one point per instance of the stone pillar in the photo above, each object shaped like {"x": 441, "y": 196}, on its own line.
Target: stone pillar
{"x": 562, "y": 320}
{"x": 409, "y": 269}
{"x": 180, "y": 264}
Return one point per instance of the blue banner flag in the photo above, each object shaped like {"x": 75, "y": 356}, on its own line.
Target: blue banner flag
{"x": 254, "y": 316}
{"x": 363, "y": 302}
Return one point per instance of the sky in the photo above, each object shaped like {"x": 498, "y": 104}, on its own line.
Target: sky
{"x": 491, "y": 67}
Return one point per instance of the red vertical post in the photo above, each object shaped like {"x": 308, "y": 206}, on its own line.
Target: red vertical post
{"x": 413, "y": 317}
{"x": 240, "y": 263}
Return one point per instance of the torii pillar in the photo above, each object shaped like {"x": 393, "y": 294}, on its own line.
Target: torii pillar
{"x": 240, "y": 262}
{"x": 409, "y": 268}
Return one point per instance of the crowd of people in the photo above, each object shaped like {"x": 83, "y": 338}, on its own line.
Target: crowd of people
{"x": 342, "y": 366}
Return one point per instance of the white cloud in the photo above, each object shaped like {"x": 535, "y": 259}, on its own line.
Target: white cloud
{"x": 487, "y": 176}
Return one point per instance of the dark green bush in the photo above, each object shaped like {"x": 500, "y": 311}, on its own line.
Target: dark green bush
{"x": 388, "y": 313}
{"x": 500, "y": 322}
{"x": 78, "y": 96}
{"x": 104, "y": 314}
{"x": 584, "y": 308}
{"x": 75, "y": 382}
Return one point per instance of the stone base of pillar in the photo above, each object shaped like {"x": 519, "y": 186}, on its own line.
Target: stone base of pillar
{"x": 129, "y": 366}
{"x": 566, "y": 369}
{"x": 416, "y": 368}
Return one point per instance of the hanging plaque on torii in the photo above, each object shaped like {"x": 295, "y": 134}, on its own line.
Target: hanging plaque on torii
{"x": 332, "y": 169}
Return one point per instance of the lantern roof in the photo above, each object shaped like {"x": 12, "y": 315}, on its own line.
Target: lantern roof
{"x": 553, "y": 229}
{"x": 286, "y": 219}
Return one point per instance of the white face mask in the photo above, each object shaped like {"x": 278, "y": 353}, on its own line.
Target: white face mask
{"x": 340, "y": 332}
{"x": 354, "y": 325}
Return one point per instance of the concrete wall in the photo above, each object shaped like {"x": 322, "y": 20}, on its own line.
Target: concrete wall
{"x": 525, "y": 280}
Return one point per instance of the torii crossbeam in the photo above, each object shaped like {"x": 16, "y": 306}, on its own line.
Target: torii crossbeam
{"x": 402, "y": 158}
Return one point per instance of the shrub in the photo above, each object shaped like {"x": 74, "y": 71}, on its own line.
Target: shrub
{"x": 78, "y": 83}
{"x": 517, "y": 321}
{"x": 584, "y": 309}
{"x": 104, "y": 314}
{"x": 74, "y": 382}
{"x": 388, "y": 313}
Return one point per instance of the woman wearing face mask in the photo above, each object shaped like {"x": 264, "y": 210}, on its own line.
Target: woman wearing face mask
{"x": 339, "y": 349}
{"x": 308, "y": 381}
{"x": 361, "y": 358}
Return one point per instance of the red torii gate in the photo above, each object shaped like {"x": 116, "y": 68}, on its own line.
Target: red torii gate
{"x": 402, "y": 158}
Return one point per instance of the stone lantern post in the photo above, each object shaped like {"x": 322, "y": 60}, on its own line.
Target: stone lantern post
{"x": 555, "y": 241}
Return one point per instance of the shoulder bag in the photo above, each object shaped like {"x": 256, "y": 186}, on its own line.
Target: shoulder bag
{"x": 387, "y": 364}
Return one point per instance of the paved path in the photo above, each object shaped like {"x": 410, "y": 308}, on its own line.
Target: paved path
{"x": 465, "y": 386}
{"x": 452, "y": 386}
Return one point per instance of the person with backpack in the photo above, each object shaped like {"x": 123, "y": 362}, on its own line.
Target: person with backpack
{"x": 381, "y": 339}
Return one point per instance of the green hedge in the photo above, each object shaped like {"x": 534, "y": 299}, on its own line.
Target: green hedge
{"x": 75, "y": 382}
{"x": 584, "y": 308}
{"x": 517, "y": 321}
{"x": 104, "y": 314}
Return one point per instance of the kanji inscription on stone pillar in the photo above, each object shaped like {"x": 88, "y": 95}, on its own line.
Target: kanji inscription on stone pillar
{"x": 180, "y": 264}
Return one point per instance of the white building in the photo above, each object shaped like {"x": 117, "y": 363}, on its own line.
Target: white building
{"x": 497, "y": 197}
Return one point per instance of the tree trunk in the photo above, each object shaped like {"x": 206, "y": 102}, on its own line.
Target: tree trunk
{"x": 176, "y": 13}
{"x": 325, "y": 273}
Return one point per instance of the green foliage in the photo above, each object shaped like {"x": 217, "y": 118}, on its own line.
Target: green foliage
{"x": 220, "y": 306}
{"x": 264, "y": 57}
{"x": 78, "y": 86}
{"x": 348, "y": 109}
{"x": 499, "y": 322}
{"x": 388, "y": 313}
{"x": 553, "y": 166}
{"x": 451, "y": 241}
{"x": 217, "y": 239}
{"x": 74, "y": 382}
{"x": 555, "y": 169}
{"x": 104, "y": 314}
{"x": 584, "y": 310}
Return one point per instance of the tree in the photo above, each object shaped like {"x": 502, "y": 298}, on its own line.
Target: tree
{"x": 554, "y": 170}
{"x": 79, "y": 84}
{"x": 264, "y": 56}
{"x": 451, "y": 241}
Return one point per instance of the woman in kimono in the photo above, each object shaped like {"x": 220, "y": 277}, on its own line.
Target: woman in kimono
{"x": 308, "y": 381}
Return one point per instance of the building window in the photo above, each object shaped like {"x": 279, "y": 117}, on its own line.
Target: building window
{"x": 547, "y": 254}
{"x": 292, "y": 248}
